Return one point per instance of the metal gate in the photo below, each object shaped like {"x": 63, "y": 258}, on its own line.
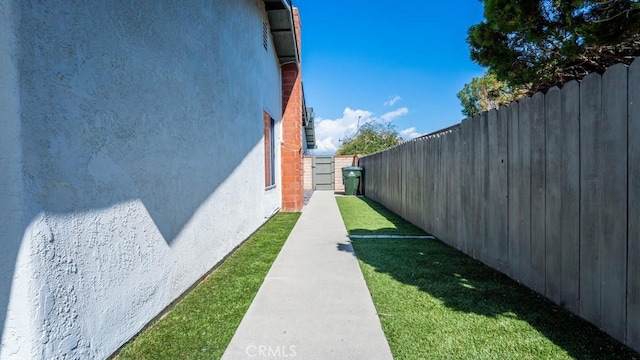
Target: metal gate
{"x": 323, "y": 173}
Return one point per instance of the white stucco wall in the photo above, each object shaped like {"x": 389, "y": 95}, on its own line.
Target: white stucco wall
{"x": 132, "y": 161}
{"x": 14, "y": 281}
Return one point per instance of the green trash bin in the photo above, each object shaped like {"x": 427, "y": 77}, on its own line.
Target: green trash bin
{"x": 351, "y": 178}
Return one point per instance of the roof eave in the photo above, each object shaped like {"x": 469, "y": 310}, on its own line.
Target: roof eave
{"x": 282, "y": 30}
{"x": 309, "y": 128}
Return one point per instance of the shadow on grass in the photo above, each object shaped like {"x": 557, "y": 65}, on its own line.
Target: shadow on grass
{"x": 376, "y": 222}
{"x": 466, "y": 285}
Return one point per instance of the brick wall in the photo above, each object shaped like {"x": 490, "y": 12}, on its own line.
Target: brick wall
{"x": 291, "y": 146}
{"x": 339, "y": 162}
{"x": 308, "y": 173}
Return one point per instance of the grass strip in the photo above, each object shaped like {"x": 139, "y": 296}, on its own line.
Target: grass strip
{"x": 377, "y": 220}
{"x": 434, "y": 302}
{"x": 203, "y": 323}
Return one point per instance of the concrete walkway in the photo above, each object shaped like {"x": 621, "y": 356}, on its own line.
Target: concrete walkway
{"x": 314, "y": 303}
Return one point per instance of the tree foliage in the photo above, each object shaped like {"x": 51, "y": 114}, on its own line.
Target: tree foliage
{"x": 549, "y": 42}
{"x": 487, "y": 92}
{"x": 370, "y": 138}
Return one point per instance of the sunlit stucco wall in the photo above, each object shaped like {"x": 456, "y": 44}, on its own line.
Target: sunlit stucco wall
{"x": 132, "y": 161}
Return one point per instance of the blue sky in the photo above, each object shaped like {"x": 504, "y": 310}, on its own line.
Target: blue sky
{"x": 402, "y": 62}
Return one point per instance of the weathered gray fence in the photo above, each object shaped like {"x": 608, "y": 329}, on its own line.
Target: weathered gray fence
{"x": 546, "y": 190}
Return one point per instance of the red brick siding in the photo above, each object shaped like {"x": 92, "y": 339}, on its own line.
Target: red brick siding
{"x": 291, "y": 147}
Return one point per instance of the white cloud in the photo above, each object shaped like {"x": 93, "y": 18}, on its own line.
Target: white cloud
{"x": 410, "y": 133}
{"x": 392, "y": 100}
{"x": 326, "y": 146}
{"x": 329, "y": 132}
{"x": 394, "y": 114}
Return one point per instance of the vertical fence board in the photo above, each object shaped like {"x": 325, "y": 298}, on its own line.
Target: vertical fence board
{"x": 474, "y": 187}
{"x": 404, "y": 190}
{"x": 537, "y": 193}
{"x": 503, "y": 189}
{"x": 399, "y": 179}
{"x": 383, "y": 178}
{"x": 385, "y": 175}
{"x": 414, "y": 209}
{"x": 484, "y": 187}
{"x": 430, "y": 184}
{"x": 424, "y": 206}
{"x": 633, "y": 277}
{"x": 371, "y": 175}
{"x": 438, "y": 184}
{"x": 457, "y": 186}
{"x": 425, "y": 184}
{"x": 570, "y": 196}
{"x": 465, "y": 175}
{"x": 419, "y": 182}
{"x": 453, "y": 215}
{"x": 438, "y": 192}
{"x": 553, "y": 199}
{"x": 435, "y": 165}
{"x": 411, "y": 182}
{"x": 524, "y": 190}
{"x": 478, "y": 189}
{"x": 497, "y": 206}
{"x": 432, "y": 181}
{"x": 445, "y": 200}
{"x": 368, "y": 184}
{"x": 381, "y": 170}
{"x": 392, "y": 181}
{"x": 493, "y": 212}
{"x": 387, "y": 180}
{"x": 590, "y": 198}
{"x": 446, "y": 185}
{"x": 426, "y": 174}
{"x": 375, "y": 170}
{"x": 441, "y": 187}
{"x": 407, "y": 179}
{"x": 614, "y": 200}
{"x": 514, "y": 198}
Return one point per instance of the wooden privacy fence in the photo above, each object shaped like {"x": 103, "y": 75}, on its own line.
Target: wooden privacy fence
{"x": 546, "y": 190}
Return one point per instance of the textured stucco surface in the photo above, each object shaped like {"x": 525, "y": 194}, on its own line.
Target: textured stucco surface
{"x": 132, "y": 161}
{"x": 14, "y": 282}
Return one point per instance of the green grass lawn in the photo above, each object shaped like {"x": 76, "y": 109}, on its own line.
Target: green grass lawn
{"x": 378, "y": 220}
{"x": 436, "y": 303}
{"x": 202, "y": 325}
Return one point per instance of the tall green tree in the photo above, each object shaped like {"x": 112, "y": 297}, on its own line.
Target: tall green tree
{"x": 487, "y": 92}
{"x": 549, "y": 42}
{"x": 370, "y": 138}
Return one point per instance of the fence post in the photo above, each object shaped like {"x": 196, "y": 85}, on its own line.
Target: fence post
{"x": 633, "y": 277}
{"x": 570, "y": 196}
{"x": 614, "y": 200}
{"x": 553, "y": 197}
{"x": 590, "y": 197}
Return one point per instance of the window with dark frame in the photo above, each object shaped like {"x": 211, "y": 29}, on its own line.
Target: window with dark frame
{"x": 269, "y": 151}
{"x": 265, "y": 35}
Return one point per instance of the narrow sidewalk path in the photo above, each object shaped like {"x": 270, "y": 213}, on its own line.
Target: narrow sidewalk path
{"x": 314, "y": 303}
